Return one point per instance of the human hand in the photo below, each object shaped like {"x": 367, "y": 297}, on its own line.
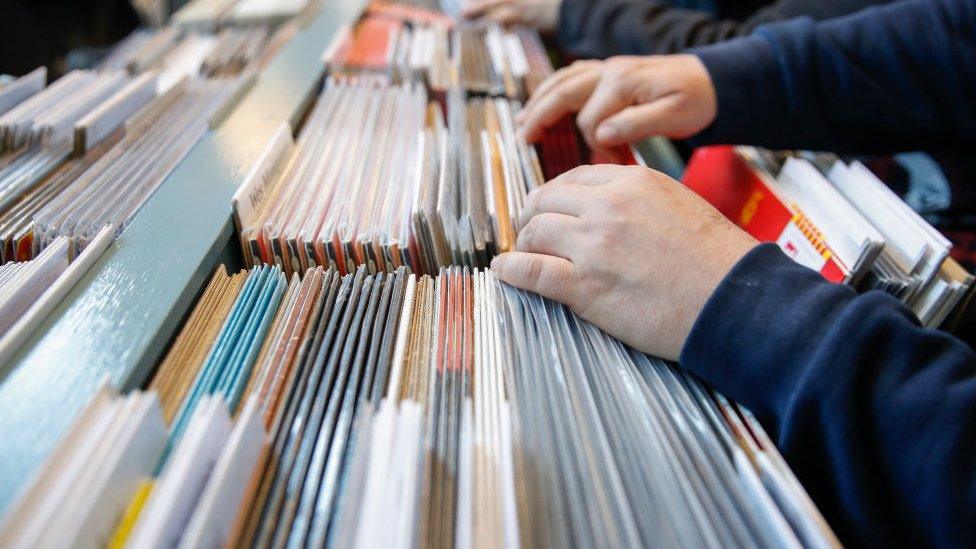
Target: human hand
{"x": 538, "y": 14}
{"x": 625, "y": 99}
{"x": 628, "y": 249}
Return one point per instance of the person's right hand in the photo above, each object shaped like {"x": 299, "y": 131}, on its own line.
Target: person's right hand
{"x": 627, "y": 248}
{"x": 625, "y": 99}
{"x": 542, "y": 15}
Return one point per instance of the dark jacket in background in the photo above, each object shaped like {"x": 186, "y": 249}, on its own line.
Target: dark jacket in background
{"x": 876, "y": 415}
{"x": 602, "y": 28}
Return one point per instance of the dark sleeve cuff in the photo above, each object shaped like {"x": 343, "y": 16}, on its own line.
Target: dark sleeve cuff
{"x": 766, "y": 314}
{"x": 570, "y": 29}
{"x": 751, "y": 92}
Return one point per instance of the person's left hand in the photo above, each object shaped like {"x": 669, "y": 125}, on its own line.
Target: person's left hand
{"x": 542, "y": 15}
{"x": 624, "y": 99}
{"x": 627, "y": 248}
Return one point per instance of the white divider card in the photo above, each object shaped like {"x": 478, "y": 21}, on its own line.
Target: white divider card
{"x": 182, "y": 481}
{"x": 17, "y": 91}
{"x": 905, "y": 247}
{"x": 111, "y": 114}
{"x": 214, "y": 514}
{"x": 48, "y": 117}
{"x": 117, "y": 185}
{"x": 253, "y": 12}
{"x": 255, "y": 192}
{"x": 936, "y": 247}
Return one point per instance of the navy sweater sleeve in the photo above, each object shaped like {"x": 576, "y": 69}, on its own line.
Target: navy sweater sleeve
{"x": 602, "y": 28}
{"x": 876, "y": 415}
{"x": 896, "y": 77}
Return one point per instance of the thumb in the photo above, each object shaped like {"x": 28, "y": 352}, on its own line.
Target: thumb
{"x": 659, "y": 117}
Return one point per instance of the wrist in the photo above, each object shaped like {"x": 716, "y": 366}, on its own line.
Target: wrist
{"x": 751, "y": 102}
{"x": 719, "y": 260}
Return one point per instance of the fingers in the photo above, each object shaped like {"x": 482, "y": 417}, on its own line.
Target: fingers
{"x": 558, "y": 77}
{"x": 564, "y": 198}
{"x": 563, "y": 98}
{"x": 479, "y": 9}
{"x": 549, "y": 276}
{"x": 550, "y": 234}
{"x": 638, "y": 122}
{"x": 607, "y": 99}
{"x": 588, "y": 176}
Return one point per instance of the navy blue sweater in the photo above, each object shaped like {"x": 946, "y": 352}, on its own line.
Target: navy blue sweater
{"x": 890, "y": 78}
{"x": 876, "y": 415}
{"x": 602, "y": 28}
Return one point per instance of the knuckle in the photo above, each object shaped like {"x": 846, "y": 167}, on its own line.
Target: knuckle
{"x": 540, "y": 197}
{"x": 616, "y": 200}
{"x": 560, "y": 95}
{"x": 620, "y": 65}
{"x": 599, "y": 283}
{"x": 584, "y": 122}
{"x": 624, "y": 125}
{"x": 578, "y": 173}
{"x": 529, "y": 234}
{"x": 605, "y": 236}
{"x": 532, "y": 201}
{"x": 640, "y": 173}
{"x": 613, "y": 228}
{"x": 560, "y": 284}
{"x": 532, "y": 271}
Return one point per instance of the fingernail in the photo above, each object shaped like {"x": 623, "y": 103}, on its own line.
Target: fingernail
{"x": 520, "y": 116}
{"x": 607, "y": 132}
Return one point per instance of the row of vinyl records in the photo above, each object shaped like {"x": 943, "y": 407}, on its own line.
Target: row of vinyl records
{"x": 85, "y": 152}
{"x": 175, "y": 52}
{"x": 116, "y": 131}
{"x": 481, "y": 58}
{"x": 839, "y": 219}
{"x": 391, "y": 410}
{"x": 380, "y": 176}
{"x": 401, "y": 41}
{"x": 91, "y": 147}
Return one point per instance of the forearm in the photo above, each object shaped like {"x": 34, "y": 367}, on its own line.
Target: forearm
{"x": 890, "y": 78}
{"x": 874, "y": 413}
